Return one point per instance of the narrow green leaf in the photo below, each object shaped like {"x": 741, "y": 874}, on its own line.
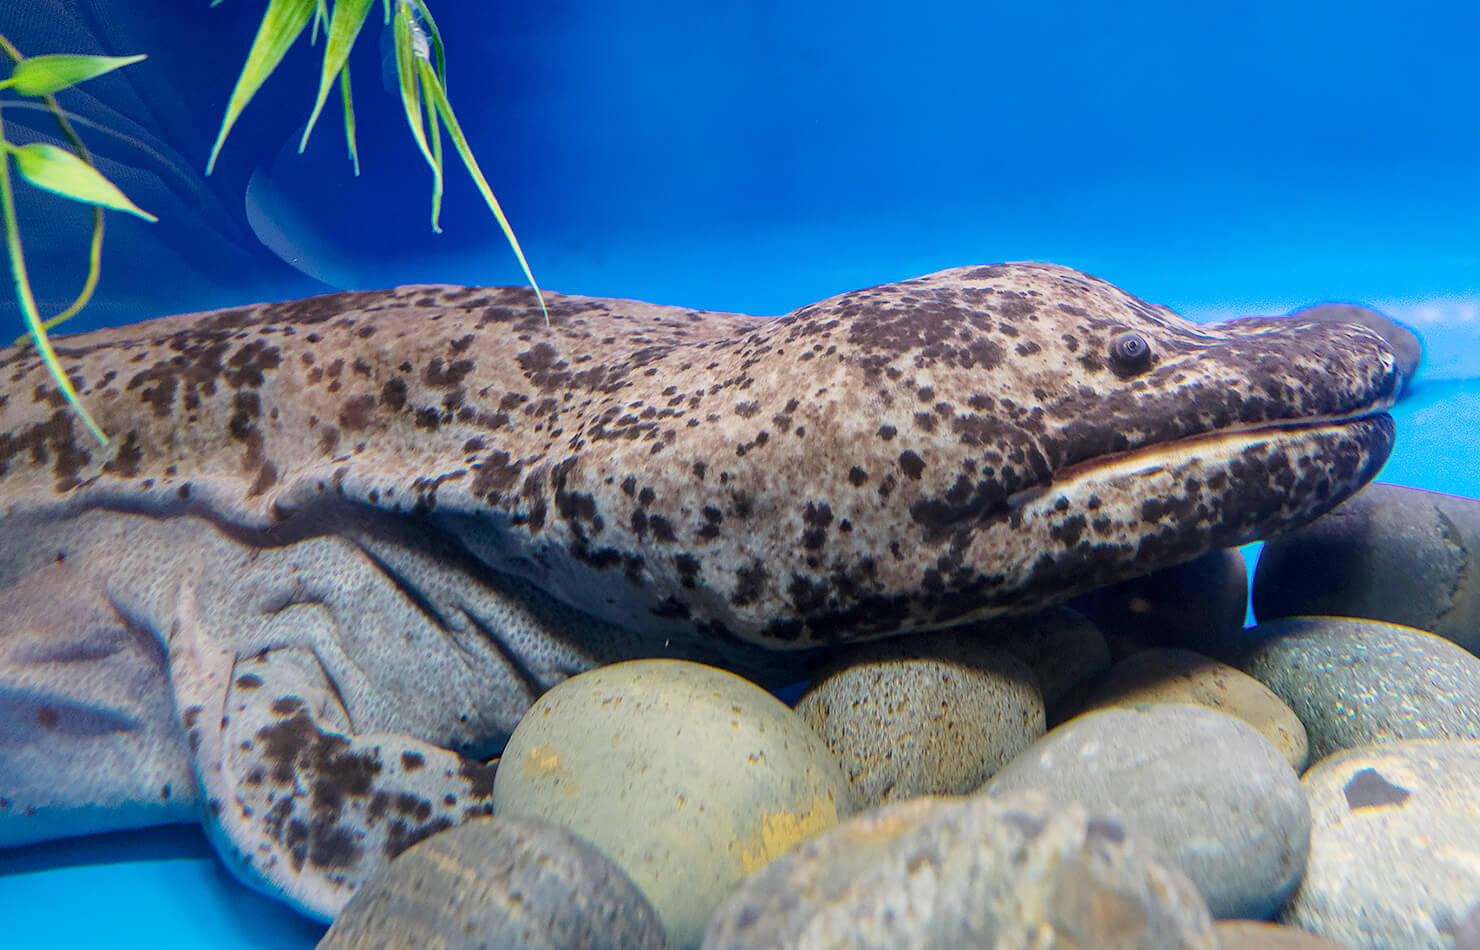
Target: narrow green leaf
{"x": 344, "y": 27}
{"x": 28, "y": 300}
{"x": 438, "y": 97}
{"x": 349, "y": 117}
{"x": 44, "y": 75}
{"x": 435, "y": 135}
{"x": 320, "y": 18}
{"x": 60, "y": 172}
{"x": 281, "y": 26}
{"x": 406, "y": 70}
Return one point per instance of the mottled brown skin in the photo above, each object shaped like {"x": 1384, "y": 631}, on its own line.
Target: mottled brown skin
{"x": 975, "y": 442}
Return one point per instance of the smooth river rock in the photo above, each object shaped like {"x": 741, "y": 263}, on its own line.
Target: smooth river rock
{"x": 1265, "y": 935}
{"x": 1168, "y": 675}
{"x": 498, "y": 883}
{"x": 931, "y": 714}
{"x": 968, "y": 872}
{"x": 688, "y": 777}
{"x": 1395, "y": 847}
{"x": 1205, "y": 787}
{"x": 1353, "y": 682}
{"x": 1388, "y": 553}
{"x": 1199, "y": 605}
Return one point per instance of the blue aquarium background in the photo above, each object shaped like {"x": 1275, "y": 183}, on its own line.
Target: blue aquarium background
{"x": 1223, "y": 160}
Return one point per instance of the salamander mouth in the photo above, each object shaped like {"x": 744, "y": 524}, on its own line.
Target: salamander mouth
{"x": 1219, "y": 444}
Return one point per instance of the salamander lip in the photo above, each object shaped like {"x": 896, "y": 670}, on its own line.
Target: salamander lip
{"x": 1219, "y": 443}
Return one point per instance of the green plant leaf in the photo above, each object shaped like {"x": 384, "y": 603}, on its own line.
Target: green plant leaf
{"x": 344, "y": 28}
{"x": 407, "y": 63}
{"x": 60, "y": 172}
{"x": 28, "y": 300}
{"x": 438, "y": 97}
{"x": 435, "y": 136}
{"x": 349, "y": 117}
{"x": 44, "y": 75}
{"x": 282, "y": 24}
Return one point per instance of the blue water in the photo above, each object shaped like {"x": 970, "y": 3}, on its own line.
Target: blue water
{"x": 1221, "y": 160}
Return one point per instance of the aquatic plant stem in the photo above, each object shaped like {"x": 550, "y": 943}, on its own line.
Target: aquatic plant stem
{"x": 27, "y": 298}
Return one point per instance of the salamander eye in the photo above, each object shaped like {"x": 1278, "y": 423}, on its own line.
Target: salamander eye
{"x": 1129, "y": 353}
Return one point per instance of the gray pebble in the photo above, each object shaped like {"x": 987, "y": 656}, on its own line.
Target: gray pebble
{"x": 972, "y": 872}
{"x": 1202, "y": 785}
{"x": 498, "y": 883}
{"x": 1395, "y": 847}
{"x": 1199, "y": 605}
{"x": 1182, "y": 676}
{"x": 1389, "y": 553}
{"x": 931, "y": 714}
{"x": 1358, "y": 681}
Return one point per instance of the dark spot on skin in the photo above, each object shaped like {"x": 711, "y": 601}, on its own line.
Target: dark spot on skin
{"x": 125, "y": 462}
{"x": 393, "y": 394}
{"x": 399, "y": 836}
{"x": 357, "y": 412}
{"x": 286, "y": 706}
{"x": 887, "y": 433}
{"x": 248, "y": 681}
{"x": 496, "y": 474}
{"x": 479, "y": 777}
{"x": 912, "y": 465}
{"x": 411, "y": 761}
{"x": 46, "y": 717}
{"x": 452, "y": 375}
{"x": 857, "y": 476}
{"x": 750, "y": 583}
{"x": 1368, "y": 789}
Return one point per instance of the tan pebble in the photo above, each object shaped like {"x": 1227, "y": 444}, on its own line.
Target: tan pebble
{"x": 1263, "y": 935}
{"x": 932, "y": 714}
{"x": 1166, "y": 675}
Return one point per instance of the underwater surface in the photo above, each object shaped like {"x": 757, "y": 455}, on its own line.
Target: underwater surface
{"x": 755, "y": 158}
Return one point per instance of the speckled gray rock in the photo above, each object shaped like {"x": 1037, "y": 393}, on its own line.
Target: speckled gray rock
{"x": 1264, "y": 935}
{"x": 1389, "y": 553}
{"x": 933, "y": 714}
{"x": 1358, "y": 681}
{"x": 1165, "y": 675}
{"x": 1403, "y": 341}
{"x": 1395, "y": 848}
{"x": 499, "y": 884}
{"x": 1199, "y": 605}
{"x": 974, "y": 872}
{"x": 686, "y": 776}
{"x": 1202, "y": 785}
